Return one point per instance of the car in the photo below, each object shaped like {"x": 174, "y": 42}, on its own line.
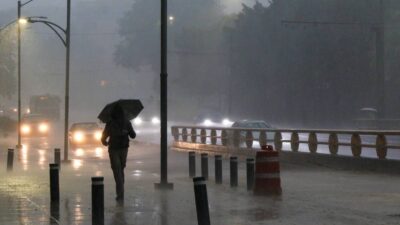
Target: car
{"x": 252, "y": 124}
{"x": 85, "y": 133}
{"x": 34, "y": 125}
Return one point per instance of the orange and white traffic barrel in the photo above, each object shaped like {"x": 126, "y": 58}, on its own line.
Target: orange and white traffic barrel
{"x": 267, "y": 172}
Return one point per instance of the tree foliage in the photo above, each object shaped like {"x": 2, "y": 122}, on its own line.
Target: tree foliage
{"x": 7, "y": 63}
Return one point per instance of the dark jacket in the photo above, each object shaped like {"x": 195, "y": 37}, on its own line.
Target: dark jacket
{"x": 118, "y": 134}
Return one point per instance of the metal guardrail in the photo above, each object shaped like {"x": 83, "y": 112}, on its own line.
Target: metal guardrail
{"x": 236, "y": 136}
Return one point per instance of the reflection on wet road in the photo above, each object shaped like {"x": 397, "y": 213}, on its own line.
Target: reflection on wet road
{"x": 24, "y": 192}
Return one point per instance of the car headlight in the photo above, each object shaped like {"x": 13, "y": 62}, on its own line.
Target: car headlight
{"x": 137, "y": 121}
{"x": 78, "y": 136}
{"x": 208, "y": 122}
{"x": 25, "y": 129}
{"x": 227, "y": 122}
{"x": 43, "y": 127}
{"x": 98, "y": 135}
{"x": 155, "y": 120}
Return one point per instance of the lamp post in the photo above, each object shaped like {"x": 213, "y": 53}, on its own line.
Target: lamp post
{"x": 19, "y": 7}
{"x": 66, "y": 42}
{"x": 163, "y": 102}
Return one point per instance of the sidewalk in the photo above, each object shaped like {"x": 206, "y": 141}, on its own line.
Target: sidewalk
{"x": 312, "y": 195}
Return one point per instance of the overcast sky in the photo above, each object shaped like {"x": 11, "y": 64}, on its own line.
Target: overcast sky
{"x": 231, "y": 5}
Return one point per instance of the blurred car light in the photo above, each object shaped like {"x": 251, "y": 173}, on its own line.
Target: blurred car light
{"x": 208, "y": 122}
{"x": 155, "y": 120}
{"x": 138, "y": 121}
{"x": 43, "y": 127}
{"x": 78, "y": 136}
{"x": 98, "y": 135}
{"x": 25, "y": 129}
{"x": 227, "y": 122}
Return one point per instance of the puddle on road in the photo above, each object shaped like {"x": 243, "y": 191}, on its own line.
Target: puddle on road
{"x": 256, "y": 214}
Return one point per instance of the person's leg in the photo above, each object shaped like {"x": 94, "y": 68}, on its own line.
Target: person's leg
{"x": 123, "y": 155}
{"x": 115, "y": 160}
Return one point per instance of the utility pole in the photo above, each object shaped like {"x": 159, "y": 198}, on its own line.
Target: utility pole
{"x": 163, "y": 105}
{"x": 67, "y": 62}
{"x": 19, "y": 146}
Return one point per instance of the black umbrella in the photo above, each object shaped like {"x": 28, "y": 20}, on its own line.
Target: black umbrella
{"x": 130, "y": 107}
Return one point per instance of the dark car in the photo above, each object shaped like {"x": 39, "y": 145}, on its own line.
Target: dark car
{"x": 252, "y": 124}
{"x": 85, "y": 133}
{"x": 34, "y": 125}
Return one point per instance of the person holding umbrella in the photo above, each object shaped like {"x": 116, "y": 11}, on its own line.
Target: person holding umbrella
{"x": 116, "y": 135}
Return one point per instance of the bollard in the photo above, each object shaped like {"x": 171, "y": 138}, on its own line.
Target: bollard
{"x": 250, "y": 173}
{"x": 204, "y": 165}
{"x": 57, "y": 156}
{"x": 234, "y": 171}
{"x": 200, "y": 193}
{"x": 54, "y": 212}
{"x": 218, "y": 169}
{"x": 97, "y": 200}
{"x": 10, "y": 159}
{"x": 54, "y": 183}
{"x": 192, "y": 164}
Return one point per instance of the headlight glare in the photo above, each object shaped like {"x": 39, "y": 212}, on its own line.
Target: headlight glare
{"x": 78, "y": 136}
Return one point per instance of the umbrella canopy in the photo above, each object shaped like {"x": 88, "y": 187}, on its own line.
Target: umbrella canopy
{"x": 131, "y": 108}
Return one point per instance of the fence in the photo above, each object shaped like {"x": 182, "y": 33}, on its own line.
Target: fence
{"x": 239, "y": 139}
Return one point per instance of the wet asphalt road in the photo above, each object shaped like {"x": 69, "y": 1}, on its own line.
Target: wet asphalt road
{"x": 311, "y": 194}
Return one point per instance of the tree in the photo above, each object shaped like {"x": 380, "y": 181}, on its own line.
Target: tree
{"x": 7, "y": 63}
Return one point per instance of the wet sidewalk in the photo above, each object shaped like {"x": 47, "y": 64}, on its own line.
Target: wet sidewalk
{"x": 311, "y": 194}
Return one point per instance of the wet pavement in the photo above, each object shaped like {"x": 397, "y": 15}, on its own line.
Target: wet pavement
{"x": 311, "y": 194}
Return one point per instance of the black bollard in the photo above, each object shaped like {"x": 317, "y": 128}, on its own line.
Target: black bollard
{"x": 218, "y": 169}
{"x": 200, "y": 193}
{"x": 250, "y": 173}
{"x": 57, "y": 156}
{"x": 10, "y": 159}
{"x": 54, "y": 183}
{"x": 234, "y": 171}
{"x": 204, "y": 165}
{"x": 54, "y": 212}
{"x": 192, "y": 164}
{"x": 98, "y": 200}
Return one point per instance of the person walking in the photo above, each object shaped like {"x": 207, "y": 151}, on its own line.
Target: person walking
{"x": 116, "y": 136}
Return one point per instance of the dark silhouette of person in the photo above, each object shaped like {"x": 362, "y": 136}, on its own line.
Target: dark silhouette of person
{"x": 116, "y": 136}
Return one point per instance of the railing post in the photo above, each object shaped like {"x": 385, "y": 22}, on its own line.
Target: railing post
{"x": 184, "y": 134}
{"x": 278, "y": 140}
{"x": 356, "y": 145}
{"x": 204, "y": 165}
{"x": 294, "y": 141}
{"x": 381, "y": 149}
{"x": 213, "y": 137}
{"x": 192, "y": 164}
{"x": 193, "y": 135}
{"x": 234, "y": 171}
{"x": 218, "y": 169}
{"x": 250, "y": 173}
{"x": 203, "y": 135}
{"x": 333, "y": 143}
{"x": 263, "y": 138}
{"x": 312, "y": 142}
{"x": 249, "y": 139}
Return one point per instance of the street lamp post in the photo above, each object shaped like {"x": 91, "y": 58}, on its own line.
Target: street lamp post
{"x": 163, "y": 105}
{"x": 19, "y": 6}
{"x": 66, "y": 41}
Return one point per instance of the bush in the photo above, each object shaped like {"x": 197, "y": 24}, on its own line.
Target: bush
{"x": 7, "y": 124}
